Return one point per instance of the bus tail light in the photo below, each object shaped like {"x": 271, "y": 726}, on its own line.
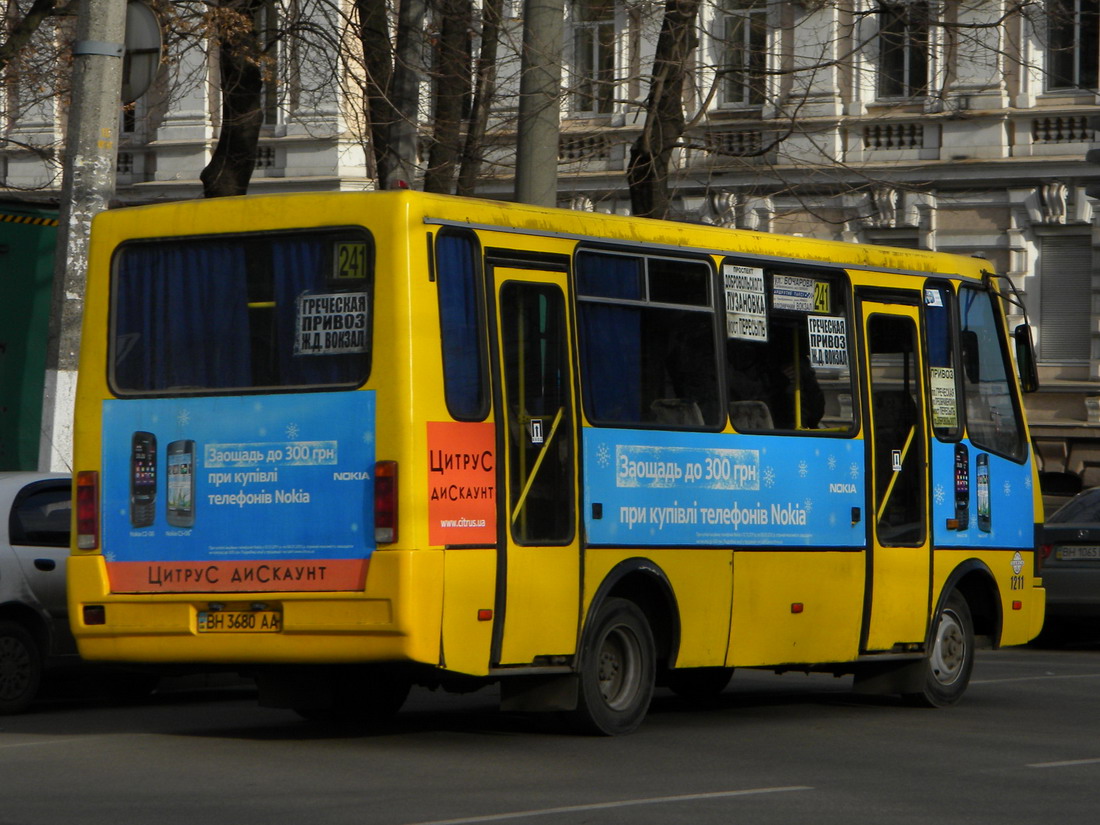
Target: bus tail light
{"x": 385, "y": 502}
{"x": 87, "y": 510}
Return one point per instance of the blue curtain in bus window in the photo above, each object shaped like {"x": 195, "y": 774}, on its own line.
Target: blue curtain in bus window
{"x": 611, "y": 346}
{"x": 460, "y": 328}
{"x": 297, "y": 268}
{"x": 609, "y": 276}
{"x": 181, "y": 317}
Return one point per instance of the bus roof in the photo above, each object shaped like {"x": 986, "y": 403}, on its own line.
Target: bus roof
{"x": 316, "y": 209}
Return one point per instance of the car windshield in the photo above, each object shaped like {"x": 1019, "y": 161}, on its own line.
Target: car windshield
{"x": 1082, "y": 508}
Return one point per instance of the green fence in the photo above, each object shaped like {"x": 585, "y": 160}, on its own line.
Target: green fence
{"x": 28, "y": 235}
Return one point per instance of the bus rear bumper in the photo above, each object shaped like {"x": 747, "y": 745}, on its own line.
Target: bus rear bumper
{"x": 392, "y": 620}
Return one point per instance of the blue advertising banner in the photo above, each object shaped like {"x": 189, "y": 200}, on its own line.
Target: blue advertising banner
{"x": 659, "y": 488}
{"x": 252, "y": 493}
{"x": 988, "y": 499}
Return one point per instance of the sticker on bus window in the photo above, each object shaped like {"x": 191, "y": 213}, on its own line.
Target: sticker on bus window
{"x": 792, "y": 293}
{"x": 746, "y": 303}
{"x": 933, "y": 298}
{"x": 331, "y": 324}
{"x": 945, "y": 408}
{"x": 828, "y": 341}
{"x": 350, "y": 260}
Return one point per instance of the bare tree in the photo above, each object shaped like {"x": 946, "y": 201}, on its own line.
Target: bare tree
{"x": 241, "y": 61}
{"x": 651, "y": 153}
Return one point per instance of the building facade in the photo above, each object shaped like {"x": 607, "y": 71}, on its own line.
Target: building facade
{"x": 955, "y": 126}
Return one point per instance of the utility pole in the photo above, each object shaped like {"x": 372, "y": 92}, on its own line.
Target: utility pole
{"x": 88, "y": 183}
{"x": 539, "y": 108}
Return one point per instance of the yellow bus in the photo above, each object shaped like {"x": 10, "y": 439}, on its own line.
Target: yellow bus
{"x": 352, "y": 442}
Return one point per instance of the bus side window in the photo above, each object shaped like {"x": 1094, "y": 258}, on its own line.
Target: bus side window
{"x": 786, "y": 358}
{"x": 460, "y": 326}
{"x": 647, "y": 341}
{"x": 943, "y": 378}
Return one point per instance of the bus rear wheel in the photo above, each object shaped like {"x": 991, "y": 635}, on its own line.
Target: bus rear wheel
{"x": 949, "y": 663}
{"x": 617, "y": 670}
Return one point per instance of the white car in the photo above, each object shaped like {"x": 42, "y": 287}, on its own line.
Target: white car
{"x": 34, "y": 620}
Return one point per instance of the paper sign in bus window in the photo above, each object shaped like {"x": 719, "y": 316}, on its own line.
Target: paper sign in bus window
{"x": 793, "y": 293}
{"x": 828, "y": 336}
{"x": 945, "y": 409}
{"x": 331, "y": 324}
{"x": 746, "y": 303}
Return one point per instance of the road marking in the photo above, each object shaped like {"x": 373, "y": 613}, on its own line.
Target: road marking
{"x": 625, "y": 803}
{"x": 1034, "y": 678}
{"x": 36, "y": 744}
{"x": 1067, "y": 764}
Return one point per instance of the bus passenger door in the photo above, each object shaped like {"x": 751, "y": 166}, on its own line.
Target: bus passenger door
{"x": 900, "y": 562}
{"x": 538, "y": 578}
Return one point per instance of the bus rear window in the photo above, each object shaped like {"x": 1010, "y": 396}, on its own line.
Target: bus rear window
{"x": 214, "y": 314}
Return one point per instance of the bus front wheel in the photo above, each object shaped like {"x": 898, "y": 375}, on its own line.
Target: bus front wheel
{"x": 947, "y": 668}
{"x": 617, "y": 670}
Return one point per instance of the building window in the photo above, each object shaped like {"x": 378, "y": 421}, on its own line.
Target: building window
{"x": 903, "y": 48}
{"x": 1065, "y": 306}
{"x": 1073, "y": 44}
{"x": 744, "y": 33}
{"x": 594, "y": 56}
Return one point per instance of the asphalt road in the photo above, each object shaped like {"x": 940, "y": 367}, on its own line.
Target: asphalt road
{"x": 1022, "y": 747}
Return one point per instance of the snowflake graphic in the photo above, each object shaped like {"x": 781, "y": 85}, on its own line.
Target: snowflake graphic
{"x": 853, "y": 470}
{"x": 292, "y": 430}
{"x": 1008, "y": 488}
{"x": 603, "y": 455}
{"x": 808, "y": 505}
{"x": 183, "y": 417}
{"x": 803, "y": 468}
{"x": 1027, "y": 482}
{"x": 940, "y": 494}
{"x": 769, "y": 477}
{"x": 831, "y": 462}
{"x": 832, "y": 519}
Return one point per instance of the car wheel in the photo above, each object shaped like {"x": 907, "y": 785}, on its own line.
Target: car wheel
{"x": 617, "y": 670}
{"x": 947, "y": 668}
{"x": 20, "y": 668}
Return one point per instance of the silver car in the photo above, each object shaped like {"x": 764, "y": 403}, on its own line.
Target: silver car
{"x": 34, "y": 622}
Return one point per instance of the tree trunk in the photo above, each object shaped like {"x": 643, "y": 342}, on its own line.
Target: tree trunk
{"x": 397, "y": 163}
{"x": 374, "y": 36}
{"x": 484, "y": 91}
{"x": 240, "y": 51}
{"x": 651, "y": 154}
{"x": 452, "y": 89}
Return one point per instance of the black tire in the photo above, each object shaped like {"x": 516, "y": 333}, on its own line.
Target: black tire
{"x": 698, "y": 683}
{"x": 948, "y": 665}
{"x": 617, "y": 670}
{"x": 20, "y": 668}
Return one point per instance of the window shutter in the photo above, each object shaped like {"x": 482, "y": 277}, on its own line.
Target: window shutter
{"x": 1065, "y": 305}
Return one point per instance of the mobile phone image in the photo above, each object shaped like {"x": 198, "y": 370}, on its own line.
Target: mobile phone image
{"x": 143, "y": 479}
{"x": 181, "y": 483}
{"x": 984, "y": 515}
{"x": 962, "y": 486}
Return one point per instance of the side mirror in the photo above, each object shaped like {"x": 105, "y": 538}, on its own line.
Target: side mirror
{"x": 1025, "y": 358}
